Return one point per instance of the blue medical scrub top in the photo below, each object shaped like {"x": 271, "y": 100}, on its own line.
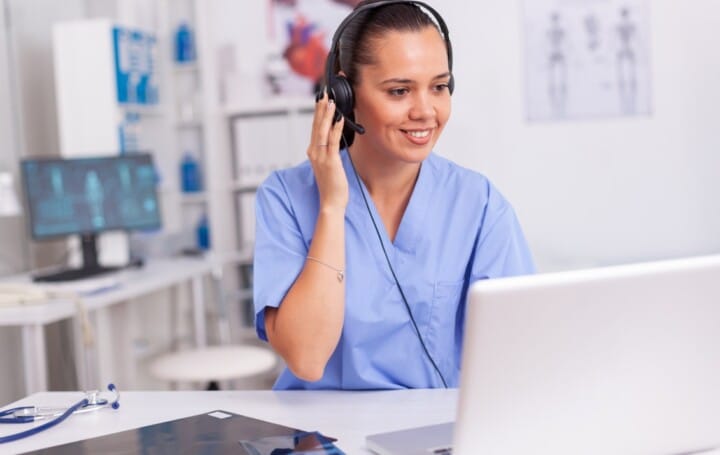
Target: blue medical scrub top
{"x": 457, "y": 229}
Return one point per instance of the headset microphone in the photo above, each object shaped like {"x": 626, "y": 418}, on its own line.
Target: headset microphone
{"x": 358, "y": 128}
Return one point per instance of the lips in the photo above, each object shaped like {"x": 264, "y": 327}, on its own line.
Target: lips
{"x": 418, "y": 136}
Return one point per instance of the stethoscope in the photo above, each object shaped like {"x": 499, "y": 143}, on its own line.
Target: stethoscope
{"x": 26, "y": 414}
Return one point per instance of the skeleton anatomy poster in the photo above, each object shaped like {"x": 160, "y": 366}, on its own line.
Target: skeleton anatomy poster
{"x": 586, "y": 58}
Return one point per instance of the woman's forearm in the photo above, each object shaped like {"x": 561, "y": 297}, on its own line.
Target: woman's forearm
{"x": 306, "y": 328}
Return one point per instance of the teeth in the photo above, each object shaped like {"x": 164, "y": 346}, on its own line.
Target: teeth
{"x": 419, "y": 134}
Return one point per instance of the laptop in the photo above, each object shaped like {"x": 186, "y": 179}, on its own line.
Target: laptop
{"x": 621, "y": 360}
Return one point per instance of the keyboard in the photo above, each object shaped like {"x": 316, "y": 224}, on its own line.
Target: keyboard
{"x": 73, "y": 274}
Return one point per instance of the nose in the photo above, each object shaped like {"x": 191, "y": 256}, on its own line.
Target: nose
{"x": 422, "y": 107}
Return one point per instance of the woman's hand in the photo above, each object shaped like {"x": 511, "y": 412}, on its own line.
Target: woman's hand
{"x": 324, "y": 155}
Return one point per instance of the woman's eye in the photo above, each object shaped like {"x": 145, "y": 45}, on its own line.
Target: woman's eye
{"x": 441, "y": 87}
{"x": 397, "y": 91}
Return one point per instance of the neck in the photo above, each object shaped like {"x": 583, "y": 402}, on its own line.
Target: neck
{"x": 390, "y": 184}
{"x": 386, "y": 180}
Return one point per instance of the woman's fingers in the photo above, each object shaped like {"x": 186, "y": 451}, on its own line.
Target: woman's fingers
{"x": 320, "y": 104}
{"x": 323, "y": 139}
{"x": 324, "y": 157}
{"x": 335, "y": 135}
{"x": 321, "y": 143}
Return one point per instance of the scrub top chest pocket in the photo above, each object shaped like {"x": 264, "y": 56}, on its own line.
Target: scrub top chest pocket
{"x": 444, "y": 334}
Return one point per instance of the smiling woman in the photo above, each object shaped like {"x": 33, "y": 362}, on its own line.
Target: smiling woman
{"x": 403, "y": 98}
{"x": 364, "y": 253}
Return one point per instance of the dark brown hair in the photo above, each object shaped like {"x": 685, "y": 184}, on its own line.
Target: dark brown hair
{"x": 358, "y": 38}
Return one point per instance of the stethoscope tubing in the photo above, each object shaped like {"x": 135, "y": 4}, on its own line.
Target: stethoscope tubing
{"x": 27, "y": 414}
{"x": 49, "y": 424}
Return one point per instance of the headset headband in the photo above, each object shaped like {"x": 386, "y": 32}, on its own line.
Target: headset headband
{"x": 330, "y": 65}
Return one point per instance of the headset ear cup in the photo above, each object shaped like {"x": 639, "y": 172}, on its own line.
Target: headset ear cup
{"x": 341, "y": 92}
{"x": 451, "y": 84}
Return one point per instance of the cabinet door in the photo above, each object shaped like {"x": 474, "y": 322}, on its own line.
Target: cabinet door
{"x": 261, "y": 146}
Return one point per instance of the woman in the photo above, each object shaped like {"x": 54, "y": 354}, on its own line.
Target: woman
{"x": 364, "y": 253}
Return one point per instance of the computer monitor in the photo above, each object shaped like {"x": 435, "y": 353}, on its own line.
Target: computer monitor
{"x": 87, "y": 196}
{"x": 622, "y": 359}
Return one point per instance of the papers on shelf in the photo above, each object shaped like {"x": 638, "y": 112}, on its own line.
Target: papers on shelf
{"x": 36, "y": 293}
{"x": 86, "y": 287}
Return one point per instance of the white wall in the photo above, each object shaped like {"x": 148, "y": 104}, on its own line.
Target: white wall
{"x": 31, "y": 63}
{"x": 12, "y": 253}
{"x": 589, "y": 192}
{"x": 601, "y": 191}
{"x": 27, "y": 126}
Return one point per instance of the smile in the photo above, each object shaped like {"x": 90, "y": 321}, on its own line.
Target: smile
{"x": 423, "y": 133}
{"x": 418, "y": 137}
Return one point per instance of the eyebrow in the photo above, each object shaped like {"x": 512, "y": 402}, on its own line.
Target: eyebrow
{"x": 397, "y": 80}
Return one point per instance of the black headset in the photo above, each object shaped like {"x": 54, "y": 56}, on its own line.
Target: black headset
{"x": 338, "y": 87}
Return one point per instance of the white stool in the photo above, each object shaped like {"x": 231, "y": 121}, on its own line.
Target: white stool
{"x": 214, "y": 363}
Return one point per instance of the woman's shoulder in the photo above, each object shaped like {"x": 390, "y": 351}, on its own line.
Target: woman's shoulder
{"x": 451, "y": 175}
{"x": 290, "y": 180}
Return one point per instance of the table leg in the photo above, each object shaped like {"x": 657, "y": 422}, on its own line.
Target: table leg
{"x": 198, "y": 303}
{"x": 35, "y": 366}
{"x": 82, "y": 359}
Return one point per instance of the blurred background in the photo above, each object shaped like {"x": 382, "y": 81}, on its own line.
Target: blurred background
{"x": 596, "y": 119}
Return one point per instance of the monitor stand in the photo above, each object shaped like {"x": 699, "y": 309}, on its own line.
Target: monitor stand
{"x": 90, "y": 268}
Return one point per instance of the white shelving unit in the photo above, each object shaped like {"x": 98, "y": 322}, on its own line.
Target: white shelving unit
{"x": 238, "y": 145}
{"x": 184, "y": 83}
{"x": 106, "y": 85}
{"x": 264, "y": 137}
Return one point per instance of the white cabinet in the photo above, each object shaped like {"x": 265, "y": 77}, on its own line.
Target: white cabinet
{"x": 106, "y": 83}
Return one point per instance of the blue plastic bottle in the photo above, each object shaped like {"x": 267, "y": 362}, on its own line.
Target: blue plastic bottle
{"x": 184, "y": 44}
{"x": 190, "y": 174}
{"x": 202, "y": 232}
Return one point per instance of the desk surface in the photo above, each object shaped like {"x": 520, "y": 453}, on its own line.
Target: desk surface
{"x": 348, "y": 416}
{"x": 156, "y": 275}
{"x": 131, "y": 283}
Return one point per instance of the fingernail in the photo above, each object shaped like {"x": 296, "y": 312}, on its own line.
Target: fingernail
{"x": 331, "y": 101}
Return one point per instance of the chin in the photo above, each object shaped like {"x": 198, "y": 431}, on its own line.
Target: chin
{"x": 416, "y": 150}
{"x": 414, "y": 153}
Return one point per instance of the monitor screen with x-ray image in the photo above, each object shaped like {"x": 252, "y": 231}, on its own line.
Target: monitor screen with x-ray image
{"x": 91, "y": 195}
{"x": 87, "y": 196}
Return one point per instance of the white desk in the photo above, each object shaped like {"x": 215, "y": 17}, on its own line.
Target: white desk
{"x": 154, "y": 276}
{"x": 348, "y": 416}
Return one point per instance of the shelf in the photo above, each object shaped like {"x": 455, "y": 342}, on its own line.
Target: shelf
{"x": 143, "y": 110}
{"x": 243, "y": 255}
{"x": 273, "y": 105}
{"x": 193, "y": 198}
{"x": 186, "y": 68}
{"x": 243, "y": 187}
{"x": 189, "y": 124}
